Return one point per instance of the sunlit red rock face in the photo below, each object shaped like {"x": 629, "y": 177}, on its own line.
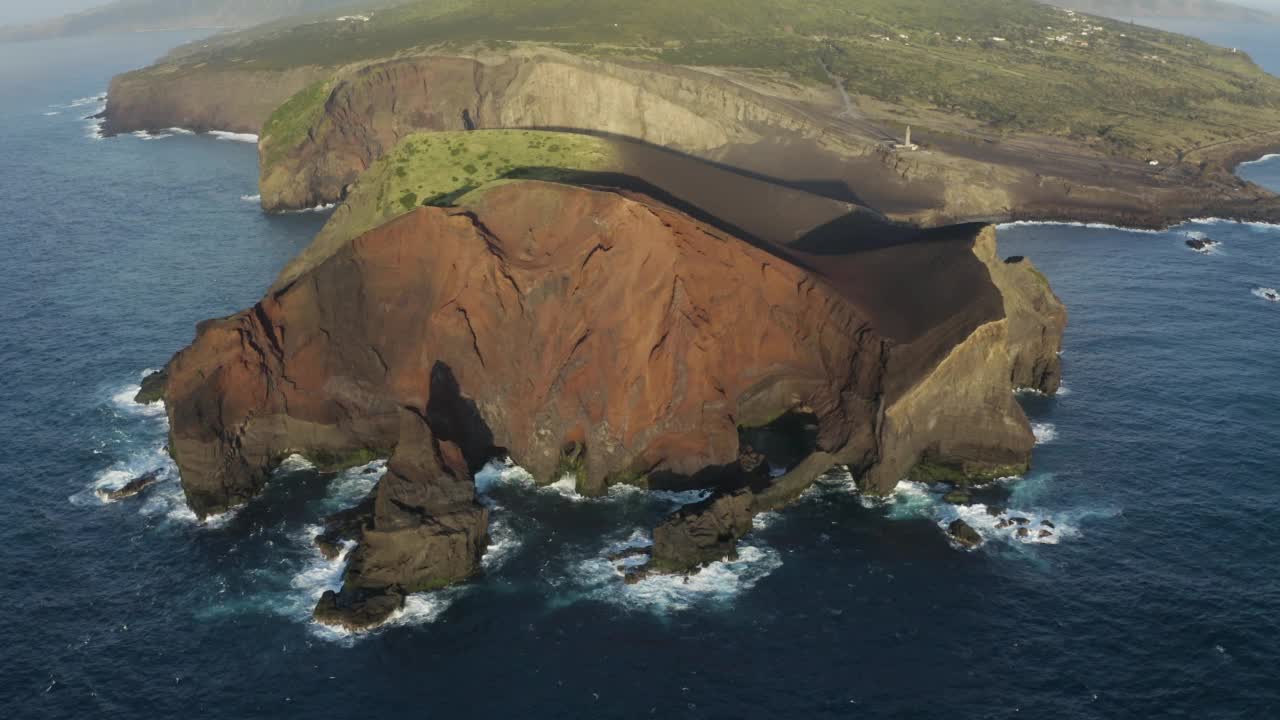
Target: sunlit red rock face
{"x": 599, "y": 333}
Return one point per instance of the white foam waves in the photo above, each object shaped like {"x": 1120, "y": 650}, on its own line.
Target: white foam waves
{"x": 1234, "y": 223}
{"x": 1028, "y": 528}
{"x": 148, "y": 428}
{"x": 93, "y": 128}
{"x": 1015, "y": 527}
{"x": 502, "y": 473}
{"x": 1045, "y": 432}
{"x": 1259, "y": 161}
{"x": 234, "y": 136}
{"x": 146, "y": 135}
{"x": 85, "y": 101}
{"x": 317, "y": 209}
{"x": 1090, "y": 226}
{"x": 353, "y": 485}
{"x": 598, "y": 578}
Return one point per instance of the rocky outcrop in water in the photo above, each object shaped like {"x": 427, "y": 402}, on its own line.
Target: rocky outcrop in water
{"x": 426, "y": 529}
{"x": 152, "y": 388}
{"x": 602, "y": 335}
{"x": 131, "y": 488}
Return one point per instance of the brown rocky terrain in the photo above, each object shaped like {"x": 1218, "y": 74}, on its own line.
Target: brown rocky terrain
{"x": 603, "y": 334}
{"x": 791, "y": 135}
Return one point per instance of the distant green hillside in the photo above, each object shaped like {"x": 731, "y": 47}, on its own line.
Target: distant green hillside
{"x": 1135, "y": 9}
{"x": 1016, "y": 65}
{"x": 148, "y": 15}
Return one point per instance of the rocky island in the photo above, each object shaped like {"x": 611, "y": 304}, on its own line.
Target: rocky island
{"x": 598, "y": 332}
{"x": 626, "y": 258}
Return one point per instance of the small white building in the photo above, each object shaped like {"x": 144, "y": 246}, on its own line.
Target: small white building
{"x": 906, "y": 143}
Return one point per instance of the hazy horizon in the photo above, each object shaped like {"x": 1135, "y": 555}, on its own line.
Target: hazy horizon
{"x": 14, "y": 12}
{"x": 17, "y": 12}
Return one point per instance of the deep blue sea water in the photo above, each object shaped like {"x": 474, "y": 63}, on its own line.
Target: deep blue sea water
{"x": 1160, "y": 597}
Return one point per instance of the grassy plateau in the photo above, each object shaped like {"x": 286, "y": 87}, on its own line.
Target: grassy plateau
{"x": 1012, "y": 65}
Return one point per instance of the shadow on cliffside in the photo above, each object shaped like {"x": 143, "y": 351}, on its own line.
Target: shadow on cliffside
{"x": 870, "y": 259}
{"x": 643, "y": 153}
{"x": 454, "y": 418}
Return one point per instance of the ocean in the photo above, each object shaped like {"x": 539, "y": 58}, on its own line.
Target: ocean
{"x": 1158, "y": 597}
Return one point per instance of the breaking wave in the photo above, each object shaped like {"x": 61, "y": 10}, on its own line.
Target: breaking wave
{"x": 503, "y": 542}
{"x": 321, "y": 574}
{"x": 1259, "y": 161}
{"x": 145, "y": 135}
{"x": 500, "y": 473}
{"x": 505, "y": 473}
{"x": 1210, "y": 247}
{"x": 1234, "y": 223}
{"x": 235, "y": 137}
{"x": 90, "y": 100}
{"x": 353, "y": 485}
{"x": 145, "y": 431}
{"x": 1045, "y": 432}
{"x": 316, "y": 209}
{"x": 1063, "y": 391}
{"x": 93, "y": 130}
{"x": 598, "y": 578}
{"x": 1090, "y": 226}
{"x": 915, "y": 501}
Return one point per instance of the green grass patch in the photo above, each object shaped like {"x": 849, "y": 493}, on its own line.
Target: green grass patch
{"x": 1015, "y": 65}
{"x": 440, "y": 168}
{"x": 289, "y": 124}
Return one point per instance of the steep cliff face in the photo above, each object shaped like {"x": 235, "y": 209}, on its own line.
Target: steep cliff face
{"x": 324, "y": 126}
{"x": 600, "y": 334}
{"x": 231, "y": 100}
{"x": 947, "y": 413}
{"x": 567, "y": 316}
{"x": 369, "y": 110}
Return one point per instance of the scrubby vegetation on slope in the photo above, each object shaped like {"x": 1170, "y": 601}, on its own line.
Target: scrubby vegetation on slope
{"x": 438, "y": 168}
{"x": 1015, "y": 65}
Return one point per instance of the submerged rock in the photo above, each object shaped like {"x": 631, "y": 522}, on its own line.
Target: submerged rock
{"x": 964, "y": 534}
{"x": 629, "y": 553}
{"x": 356, "y": 611}
{"x": 152, "y": 389}
{"x": 1201, "y": 245}
{"x": 131, "y": 488}
{"x": 345, "y": 526}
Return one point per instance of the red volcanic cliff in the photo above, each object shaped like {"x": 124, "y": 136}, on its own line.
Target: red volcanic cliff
{"x": 606, "y": 335}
